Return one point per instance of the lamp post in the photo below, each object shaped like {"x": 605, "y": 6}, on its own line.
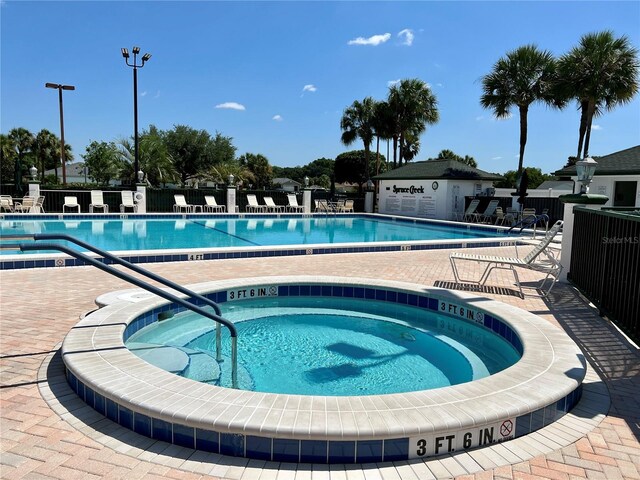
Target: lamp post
{"x": 135, "y": 66}
{"x": 585, "y": 169}
{"x": 62, "y": 151}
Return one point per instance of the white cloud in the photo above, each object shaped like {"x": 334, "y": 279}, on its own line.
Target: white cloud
{"x": 231, "y": 106}
{"x": 373, "y": 40}
{"x": 143, "y": 94}
{"x": 439, "y": 85}
{"x": 277, "y": 118}
{"x": 479, "y": 118}
{"x": 407, "y": 33}
{"x": 596, "y": 127}
{"x": 496, "y": 158}
{"x": 391, "y": 83}
{"x": 309, "y": 88}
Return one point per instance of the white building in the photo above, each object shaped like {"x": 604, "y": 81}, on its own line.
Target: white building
{"x": 617, "y": 176}
{"x": 431, "y": 188}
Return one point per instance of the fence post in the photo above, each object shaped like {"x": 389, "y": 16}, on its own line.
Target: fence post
{"x": 141, "y": 197}
{"x": 231, "y": 198}
{"x": 306, "y": 200}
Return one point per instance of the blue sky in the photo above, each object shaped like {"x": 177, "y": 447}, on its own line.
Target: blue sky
{"x": 276, "y": 76}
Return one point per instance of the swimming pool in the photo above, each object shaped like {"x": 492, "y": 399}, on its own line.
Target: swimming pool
{"x": 310, "y": 346}
{"x": 161, "y": 238}
{"x": 539, "y": 389}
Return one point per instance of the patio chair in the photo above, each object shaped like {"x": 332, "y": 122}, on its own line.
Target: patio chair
{"x": 71, "y": 202}
{"x": 548, "y": 264}
{"x": 271, "y": 205}
{"x": 253, "y": 205}
{"x": 293, "y": 204}
{"x": 467, "y": 216}
{"x": 6, "y": 203}
{"x": 181, "y": 204}
{"x": 97, "y": 202}
{"x": 488, "y": 213}
{"x": 323, "y": 206}
{"x": 347, "y": 206}
{"x": 212, "y": 206}
{"x": 127, "y": 201}
{"x": 38, "y": 207}
{"x": 25, "y": 205}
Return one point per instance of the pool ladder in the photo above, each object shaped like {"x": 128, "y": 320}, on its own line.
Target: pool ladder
{"x": 217, "y": 318}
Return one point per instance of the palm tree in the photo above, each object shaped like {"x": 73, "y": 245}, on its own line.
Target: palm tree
{"x": 46, "y": 147}
{"x": 22, "y": 141}
{"x": 600, "y": 73}
{"x": 524, "y": 76}
{"x": 382, "y": 127}
{"x": 414, "y": 107}
{"x": 357, "y": 122}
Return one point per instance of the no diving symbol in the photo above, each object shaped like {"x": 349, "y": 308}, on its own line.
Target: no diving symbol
{"x": 506, "y": 428}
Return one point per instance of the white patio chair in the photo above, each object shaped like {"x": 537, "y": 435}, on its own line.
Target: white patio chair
{"x": 549, "y": 264}
{"x": 181, "y": 204}
{"x": 347, "y": 206}
{"x": 25, "y": 205}
{"x": 6, "y": 203}
{"x": 97, "y": 202}
{"x": 293, "y": 204}
{"x": 488, "y": 213}
{"x": 253, "y": 205}
{"x": 70, "y": 202}
{"x": 212, "y": 206}
{"x": 271, "y": 205}
{"x": 467, "y": 216}
{"x": 127, "y": 201}
{"x": 38, "y": 207}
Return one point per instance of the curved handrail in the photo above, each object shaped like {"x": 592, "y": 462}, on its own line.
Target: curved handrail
{"x": 528, "y": 221}
{"x": 150, "y": 288}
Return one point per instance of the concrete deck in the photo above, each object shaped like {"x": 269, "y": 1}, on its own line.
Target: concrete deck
{"x": 47, "y": 432}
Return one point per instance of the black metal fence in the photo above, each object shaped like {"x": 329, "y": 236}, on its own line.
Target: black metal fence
{"x": 605, "y": 264}
{"x": 554, "y": 206}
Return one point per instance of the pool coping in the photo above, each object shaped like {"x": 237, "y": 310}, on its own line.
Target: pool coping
{"x": 551, "y": 369}
{"x": 50, "y": 260}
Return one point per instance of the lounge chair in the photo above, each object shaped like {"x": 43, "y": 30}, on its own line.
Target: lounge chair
{"x": 6, "y": 203}
{"x": 212, "y": 206}
{"x": 549, "y": 264}
{"x": 97, "y": 202}
{"x": 181, "y": 204}
{"x": 488, "y": 213}
{"x": 127, "y": 201}
{"x": 25, "y": 205}
{"x": 347, "y": 206}
{"x": 70, "y": 202}
{"x": 253, "y": 205}
{"x": 271, "y": 205}
{"x": 467, "y": 216}
{"x": 293, "y": 204}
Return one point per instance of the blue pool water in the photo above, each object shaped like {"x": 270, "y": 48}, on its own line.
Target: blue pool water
{"x": 313, "y": 346}
{"x": 179, "y": 233}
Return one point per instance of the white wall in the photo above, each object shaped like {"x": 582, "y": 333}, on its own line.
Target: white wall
{"x": 605, "y": 185}
{"x": 430, "y": 198}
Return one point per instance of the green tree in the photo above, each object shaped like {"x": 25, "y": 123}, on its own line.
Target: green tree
{"x": 46, "y": 147}
{"x": 349, "y": 167}
{"x": 153, "y": 157}
{"x": 318, "y": 168}
{"x": 7, "y": 159}
{"x": 259, "y": 166}
{"x": 600, "y": 74}
{"x": 103, "y": 161}
{"x": 21, "y": 141}
{"x": 413, "y": 107}
{"x": 524, "y": 76}
{"x": 220, "y": 172}
{"x": 357, "y": 122}
{"x": 535, "y": 176}
{"x": 450, "y": 155}
{"x": 383, "y": 127}
{"x": 190, "y": 150}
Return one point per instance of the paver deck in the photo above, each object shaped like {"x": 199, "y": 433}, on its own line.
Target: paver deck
{"x": 47, "y": 432}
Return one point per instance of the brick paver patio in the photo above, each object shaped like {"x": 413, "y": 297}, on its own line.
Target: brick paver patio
{"x": 39, "y": 306}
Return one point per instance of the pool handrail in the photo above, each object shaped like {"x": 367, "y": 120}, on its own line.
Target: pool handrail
{"x": 146, "y": 286}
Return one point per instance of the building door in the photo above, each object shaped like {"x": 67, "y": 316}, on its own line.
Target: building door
{"x": 457, "y": 202}
{"x": 625, "y": 194}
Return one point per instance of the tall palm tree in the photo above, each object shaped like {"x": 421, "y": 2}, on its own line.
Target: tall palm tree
{"x": 22, "y": 141}
{"x": 46, "y": 147}
{"x": 600, "y": 73}
{"x": 382, "y": 127}
{"x": 524, "y": 76}
{"x": 357, "y": 122}
{"x": 414, "y": 107}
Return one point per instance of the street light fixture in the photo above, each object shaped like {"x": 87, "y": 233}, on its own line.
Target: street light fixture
{"x": 62, "y": 150}
{"x": 145, "y": 58}
{"x": 586, "y": 168}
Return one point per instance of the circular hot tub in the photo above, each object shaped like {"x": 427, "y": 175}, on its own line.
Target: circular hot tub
{"x": 540, "y": 387}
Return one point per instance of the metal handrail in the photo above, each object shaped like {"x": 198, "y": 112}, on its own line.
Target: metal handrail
{"x": 528, "y": 221}
{"x": 150, "y": 288}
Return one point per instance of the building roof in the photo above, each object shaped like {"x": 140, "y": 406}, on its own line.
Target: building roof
{"x": 556, "y": 185}
{"x": 437, "y": 169}
{"x": 282, "y": 181}
{"x": 624, "y": 162}
{"x": 75, "y": 169}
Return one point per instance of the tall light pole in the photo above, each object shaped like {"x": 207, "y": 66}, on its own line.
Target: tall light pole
{"x": 135, "y": 66}
{"x": 62, "y": 150}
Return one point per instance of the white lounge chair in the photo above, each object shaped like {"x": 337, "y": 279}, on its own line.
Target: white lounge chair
{"x": 253, "y": 205}
{"x": 293, "y": 204}
{"x": 181, "y": 204}
{"x": 271, "y": 205}
{"x": 6, "y": 203}
{"x": 127, "y": 201}
{"x": 347, "y": 206}
{"x": 488, "y": 213}
{"x": 549, "y": 264}
{"x": 97, "y": 202}
{"x": 70, "y": 202}
{"x": 25, "y": 205}
{"x": 212, "y": 206}
{"x": 467, "y": 216}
